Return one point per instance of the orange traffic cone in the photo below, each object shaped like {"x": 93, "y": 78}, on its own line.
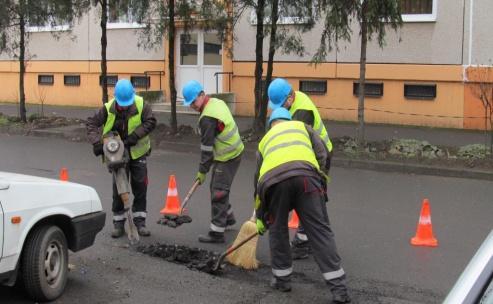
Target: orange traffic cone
{"x": 424, "y": 232}
{"x": 172, "y": 205}
{"x": 64, "y": 174}
{"x": 294, "y": 222}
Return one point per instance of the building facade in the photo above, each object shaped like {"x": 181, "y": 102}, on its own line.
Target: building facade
{"x": 425, "y": 75}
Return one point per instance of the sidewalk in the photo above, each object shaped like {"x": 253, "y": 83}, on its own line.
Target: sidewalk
{"x": 374, "y": 132}
{"x": 446, "y": 137}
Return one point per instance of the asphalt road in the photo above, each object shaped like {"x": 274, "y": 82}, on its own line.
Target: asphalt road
{"x": 373, "y": 215}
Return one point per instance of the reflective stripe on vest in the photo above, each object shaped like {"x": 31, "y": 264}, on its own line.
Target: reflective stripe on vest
{"x": 286, "y": 142}
{"x": 144, "y": 144}
{"x": 303, "y": 102}
{"x": 227, "y": 144}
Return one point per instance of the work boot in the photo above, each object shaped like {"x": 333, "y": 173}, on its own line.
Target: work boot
{"x": 300, "y": 249}
{"x": 118, "y": 229}
{"x": 143, "y": 231}
{"x": 339, "y": 290}
{"x": 281, "y": 283}
{"x": 212, "y": 237}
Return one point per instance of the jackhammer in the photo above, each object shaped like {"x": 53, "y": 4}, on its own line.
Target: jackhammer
{"x": 116, "y": 158}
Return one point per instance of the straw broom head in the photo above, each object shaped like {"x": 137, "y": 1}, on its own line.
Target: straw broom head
{"x": 245, "y": 256}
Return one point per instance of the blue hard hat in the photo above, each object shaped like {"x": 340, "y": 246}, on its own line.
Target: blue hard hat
{"x": 279, "y": 113}
{"x": 124, "y": 93}
{"x": 278, "y": 92}
{"x": 190, "y": 91}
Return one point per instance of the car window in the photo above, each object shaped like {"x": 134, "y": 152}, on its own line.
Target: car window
{"x": 487, "y": 297}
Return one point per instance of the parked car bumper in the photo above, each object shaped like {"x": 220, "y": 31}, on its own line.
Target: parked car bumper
{"x": 85, "y": 228}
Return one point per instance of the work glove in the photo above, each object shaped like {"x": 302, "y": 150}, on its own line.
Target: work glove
{"x": 131, "y": 140}
{"x": 200, "y": 177}
{"x": 97, "y": 149}
{"x": 260, "y": 227}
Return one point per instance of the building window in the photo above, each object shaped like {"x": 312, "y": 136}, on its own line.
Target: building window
{"x": 124, "y": 14}
{"x": 289, "y": 13}
{"x": 45, "y": 79}
{"x": 420, "y": 91}
{"x": 419, "y": 10}
{"x": 372, "y": 89}
{"x": 71, "y": 80}
{"x": 189, "y": 49}
{"x": 38, "y": 23}
{"x": 314, "y": 87}
{"x": 141, "y": 81}
{"x": 111, "y": 80}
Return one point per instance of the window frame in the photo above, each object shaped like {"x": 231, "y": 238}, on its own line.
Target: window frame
{"x": 148, "y": 81}
{"x": 356, "y": 88}
{"x": 410, "y": 97}
{"x": 46, "y": 83}
{"x": 422, "y": 17}
{"x": 313, "y": 81}
{"x": 108, "y": 84}
{"x": 282, "y": 20}
{"x": 70, "y": 84}
{"x": 122, "y": 25}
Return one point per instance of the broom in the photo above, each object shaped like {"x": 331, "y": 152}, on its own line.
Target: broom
{"x": 245, "y": 256}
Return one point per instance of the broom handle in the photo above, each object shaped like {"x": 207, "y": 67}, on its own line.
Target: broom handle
{"x": 189, "y": 195}
{"x": 233, "y": 248}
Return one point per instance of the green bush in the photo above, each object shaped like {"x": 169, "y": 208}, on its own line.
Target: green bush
{"x": 474, "y": 151}
{"x": 3, "y": 120}
{"x": 152, "y": 96}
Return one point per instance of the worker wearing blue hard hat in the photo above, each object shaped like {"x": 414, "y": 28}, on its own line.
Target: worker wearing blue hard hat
{"x": 221, "y": 148}
{"x": 290, "y": 174}
{"x": 133, "y": 120}
{"x": 302, "y": 109}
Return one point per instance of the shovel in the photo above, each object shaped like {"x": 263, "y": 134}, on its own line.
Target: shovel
{"x": 230, "y": 250}
{"x": 189, "y": 195}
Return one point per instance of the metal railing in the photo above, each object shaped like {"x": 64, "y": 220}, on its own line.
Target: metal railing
{"x": 217, "y": 79}
{"x": 160, "y": 73}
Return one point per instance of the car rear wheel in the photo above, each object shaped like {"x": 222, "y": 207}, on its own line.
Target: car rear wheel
{"x": 45, "y": 263}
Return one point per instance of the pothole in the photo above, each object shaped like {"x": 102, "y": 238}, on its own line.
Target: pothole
{"x": 192, "y": 257}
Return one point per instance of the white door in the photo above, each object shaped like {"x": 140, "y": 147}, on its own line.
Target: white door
{"x": 199, "y": 57}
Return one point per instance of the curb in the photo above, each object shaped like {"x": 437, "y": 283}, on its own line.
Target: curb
{"x": 340, "y": 162}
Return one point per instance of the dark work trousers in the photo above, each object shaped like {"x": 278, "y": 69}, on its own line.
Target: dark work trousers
{"x": 137, "y": 171}
{"x": 300, "y": 233}
{"x": 306, "y": 196}
{"x": 223, "y": 174}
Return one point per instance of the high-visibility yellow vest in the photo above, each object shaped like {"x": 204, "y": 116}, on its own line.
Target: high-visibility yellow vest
{"x": 286, "y": 142}
{"x": 303, "y": 102}
{"x": 144, "y": 144}
{"x": 227, "y": 144}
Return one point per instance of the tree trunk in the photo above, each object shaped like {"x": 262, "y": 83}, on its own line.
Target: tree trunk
{"x": 270, "y": 62}
{"x": 22, "y": 66}
{"x": 171, "y": 65}
{"x": 362, "y": 78}
{"x": 104, "y": 43}
{"x": 259, "y": 124}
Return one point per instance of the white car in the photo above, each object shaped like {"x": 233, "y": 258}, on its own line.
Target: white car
{"x": 40, "y": 219}
{"x": 475, "y": 285}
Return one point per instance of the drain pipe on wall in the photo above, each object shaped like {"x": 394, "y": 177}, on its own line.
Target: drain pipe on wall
{"x": 471, "y": 16}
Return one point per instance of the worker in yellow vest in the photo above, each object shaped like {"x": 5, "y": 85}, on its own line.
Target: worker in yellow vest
{"x": 290, "y": 175}
{"x": 221, "y": 148}
{"x": 302, "y": 109}
{"x": 133, "y": 119}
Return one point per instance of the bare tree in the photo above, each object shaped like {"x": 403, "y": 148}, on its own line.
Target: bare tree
{"x": 373, "y": 17}
{"x": 15, "y": 18}
{"x": 483, "y": 89}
